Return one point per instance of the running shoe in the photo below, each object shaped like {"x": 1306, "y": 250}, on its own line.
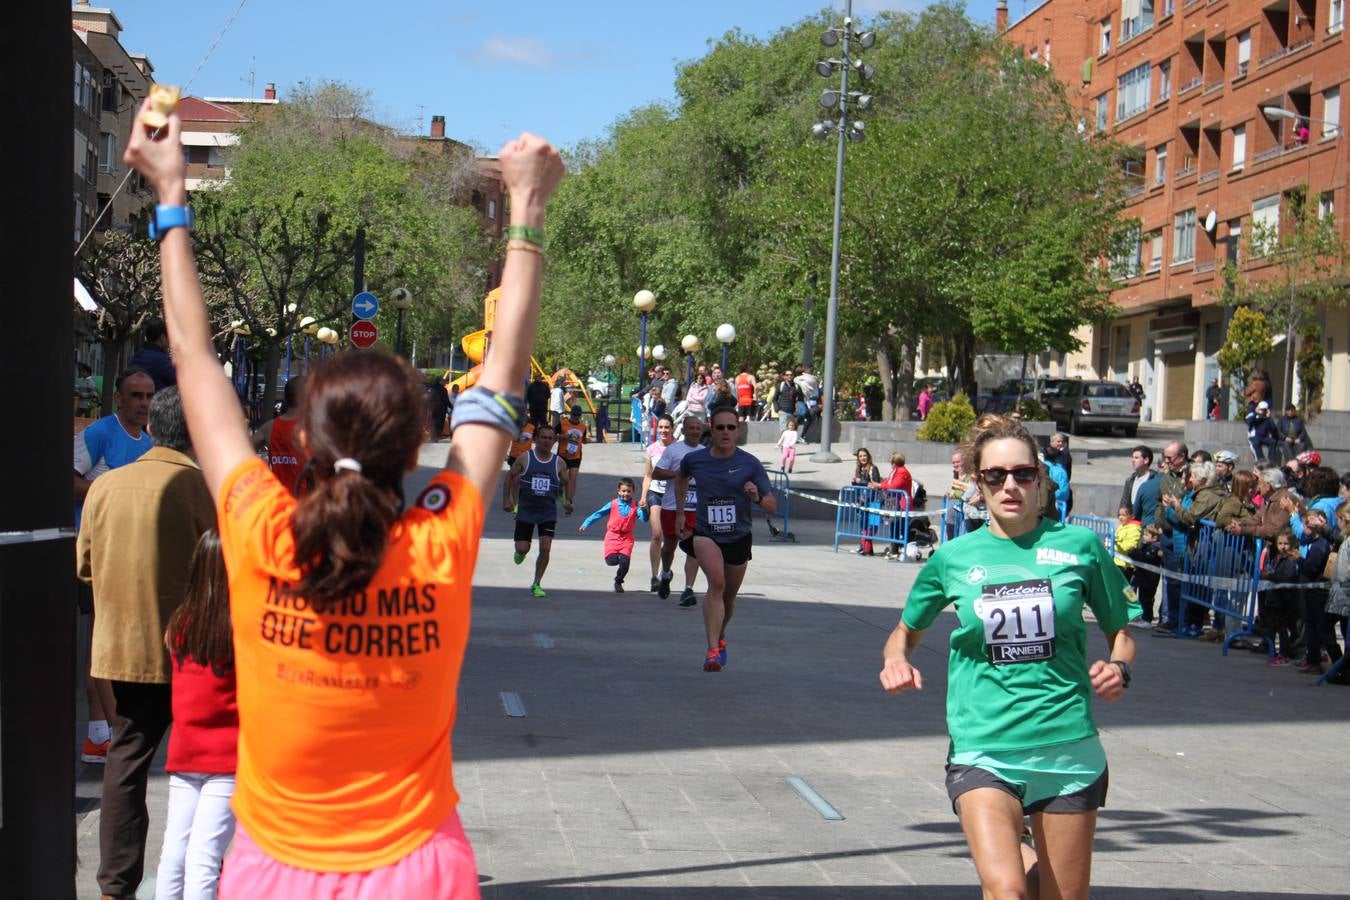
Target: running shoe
{"x": 518, "y": 558}
{"x": 618, "y": 587}
{"x": 1309, "y": 668}
{"x": 94, "y": 753}
{"x": 687, "y": 598}
{"x": 1211, "y": 634}
{"x": 1166, "y": 629}
{"x": 537, "y": 591}
{"x": 1141, "y": 622}
{"x": 1192, "y": 631}
{"x": 712, "y": 661}
{"x": 1278, "y": 661}
{"x": 664, "y": 590}
{"x": 722, "y": 651}
{"x": 656, "y": 585}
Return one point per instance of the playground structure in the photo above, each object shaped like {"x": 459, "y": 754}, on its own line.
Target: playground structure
{"x": 475, "y": 344}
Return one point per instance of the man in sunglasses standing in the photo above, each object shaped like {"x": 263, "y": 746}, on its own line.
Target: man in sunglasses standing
{"x": 729, "y": 480}
{"x": 1175, "y": 460}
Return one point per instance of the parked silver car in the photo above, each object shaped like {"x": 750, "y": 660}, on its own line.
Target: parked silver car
{"x": 1079, "y": 405}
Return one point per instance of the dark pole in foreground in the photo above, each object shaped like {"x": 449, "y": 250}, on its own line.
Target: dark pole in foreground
{"x": 37, "y": 547}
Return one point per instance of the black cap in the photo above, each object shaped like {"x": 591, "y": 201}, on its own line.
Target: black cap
{"x": 576, "y": 412}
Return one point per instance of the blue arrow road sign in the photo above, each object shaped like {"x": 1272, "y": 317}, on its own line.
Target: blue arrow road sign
{"x": 365, "y": 306}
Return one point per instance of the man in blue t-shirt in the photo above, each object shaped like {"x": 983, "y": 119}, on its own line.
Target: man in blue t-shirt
{"x": 729, "y": 480}
{"x": 111, "y": 442}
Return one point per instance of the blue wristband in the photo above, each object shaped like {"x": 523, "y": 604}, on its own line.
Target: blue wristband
{"x": 163, "y": 218}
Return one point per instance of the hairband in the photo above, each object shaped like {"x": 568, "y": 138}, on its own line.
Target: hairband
{"x": 347, "y": 463}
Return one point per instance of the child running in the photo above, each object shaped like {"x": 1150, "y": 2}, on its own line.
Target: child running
{"x": 623, "y": 516}
{"x": 201, "y": 760}
{"x": 787, "y": 442}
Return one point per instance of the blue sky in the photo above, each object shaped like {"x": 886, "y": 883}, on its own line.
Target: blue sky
{"x": 563, "y": 70}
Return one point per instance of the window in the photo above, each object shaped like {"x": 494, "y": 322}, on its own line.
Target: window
{"x": 1168, "y": 7}
{"x": 1126, "y": 262}
{"x": 107, "y": 152}
{"x": 1164, "y": 79}
{"x": 1239, "y": 146}
{"x": 492, "y": 210}
{"x": 1160, "y": 165}
{"x": 1155, "y": 251}
{"x": 79, "y": 219}
{"x": 78, "y": 69}
{"x": 1326, "y": 204}
{"x": 91, "y": 163}
{"x": 1331, "y": 112}
{"x": 1244, "y": 52}
{"x": 1265, "y": 223}
{"x": 1046, "y": 55}
{"x": 1183, "y": 237}
{"x": 110, "y": 92}
{"x": 1136, "y": 17}
{"x": 1337, "y": 16}
{"x": 1132, "y": 92}
{"x": 1102, "y": 112}
{"x": 214, "y": 157}
{"x": 1106, "y": 36}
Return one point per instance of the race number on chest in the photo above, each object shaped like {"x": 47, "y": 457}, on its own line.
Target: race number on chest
{"x": 721, "y": 514}
{"x": 541, "y": 485}
{"x": 1019, "y": 621}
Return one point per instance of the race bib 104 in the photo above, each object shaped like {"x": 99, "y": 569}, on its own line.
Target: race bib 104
{"x": 541, "y": 485}
{"x": 1019, "y": 621}
{"x": 721, "y": 514}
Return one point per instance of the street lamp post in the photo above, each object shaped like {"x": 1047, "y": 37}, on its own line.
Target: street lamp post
{"x": 644, "y": 301}
{"x": 689, "y": 345}
{"x": 401, "y": 299}
{"x": 847, "y": 130}
{"x": 327, "y": 337}
{"x": 726, "y": 333}
{"x": 309, "y": 326}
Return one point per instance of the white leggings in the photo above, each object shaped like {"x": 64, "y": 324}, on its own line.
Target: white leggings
{"x": 197, "y": 832}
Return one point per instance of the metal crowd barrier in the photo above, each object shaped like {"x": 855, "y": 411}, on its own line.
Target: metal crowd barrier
{"x": 781, "y": 483}
{"x": 1222, "y": 571}
{"x": 953, "y": 523}
{"x": 1103, "y": 528}
{"x": 857, "y": 516}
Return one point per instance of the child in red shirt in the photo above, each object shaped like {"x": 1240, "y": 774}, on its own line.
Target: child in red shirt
{"x": 205, "y": 732}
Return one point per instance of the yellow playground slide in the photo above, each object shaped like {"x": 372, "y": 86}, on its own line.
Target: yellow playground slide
{"x": 475, "y": 343}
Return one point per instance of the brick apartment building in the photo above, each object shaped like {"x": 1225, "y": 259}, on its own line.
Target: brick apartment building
{"x": 1185, "y": 83}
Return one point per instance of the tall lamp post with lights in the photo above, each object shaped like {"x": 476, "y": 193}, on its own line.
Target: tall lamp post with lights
{"x": 400, "y": 298}
{"x": 689, "y": 345}
{"x": 726, "y": 333}
{"x": 644, "y": 301}
{"x": 846, "y": 129}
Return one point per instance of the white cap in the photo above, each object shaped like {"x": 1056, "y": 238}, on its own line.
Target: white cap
{"x": 1263, "y": 405}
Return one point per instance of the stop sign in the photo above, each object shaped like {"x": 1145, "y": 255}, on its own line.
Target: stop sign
{"x": 363, "y": 334}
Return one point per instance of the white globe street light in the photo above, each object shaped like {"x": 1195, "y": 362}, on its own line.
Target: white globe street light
{"x": 726, "y": 333}
{"x": 659, "y": 351}
{"x": 644, "y": 301}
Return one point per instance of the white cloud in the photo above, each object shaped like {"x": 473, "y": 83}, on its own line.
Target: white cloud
{"x": 515, "y": 51}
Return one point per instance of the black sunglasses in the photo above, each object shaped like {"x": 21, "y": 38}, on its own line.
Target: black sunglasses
{"x": 1021, "y": 474}
{"x": 725, "y": 427}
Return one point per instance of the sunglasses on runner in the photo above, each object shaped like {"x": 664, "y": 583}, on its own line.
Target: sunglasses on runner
{"x": 996, "y": 477}
{"x": 725, "y": 427}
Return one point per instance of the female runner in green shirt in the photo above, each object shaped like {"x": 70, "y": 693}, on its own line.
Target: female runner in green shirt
{"x": 1019, "y": 698}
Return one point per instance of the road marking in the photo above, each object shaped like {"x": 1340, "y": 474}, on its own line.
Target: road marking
{"x": 817, "y": 802}
{"x": 514, "y": 708}
{"x": 544, "y": 641}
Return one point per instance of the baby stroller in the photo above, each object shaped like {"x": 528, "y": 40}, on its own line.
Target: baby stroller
{"x": 922, "y": 536}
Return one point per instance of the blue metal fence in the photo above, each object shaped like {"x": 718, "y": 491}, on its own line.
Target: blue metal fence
{"x": 1222, "y": 571}
{"x": 859, "y": 516}
{"x": 1103, "y": 528}
{"x": 781, "y": 483}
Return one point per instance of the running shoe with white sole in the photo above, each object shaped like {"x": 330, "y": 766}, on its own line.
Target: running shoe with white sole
{"x": 687, "y": 599}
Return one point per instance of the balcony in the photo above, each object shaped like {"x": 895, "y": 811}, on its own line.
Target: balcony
{"x": 1213, "y": 87}
{"x": 1204, "y": 267}
{"x": 1267, "y": 154}
{"x": 1186, "y": 172}
{"x": 1208, "y": 177}
{"x": 1191, "y": 85}
{"x": 1283, "y": 52}
{"x": 1133, "y": 190}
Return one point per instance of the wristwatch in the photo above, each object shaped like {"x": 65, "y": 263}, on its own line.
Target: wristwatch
{"x": 1125, "y": 675}
{"x": 163, "y": 218}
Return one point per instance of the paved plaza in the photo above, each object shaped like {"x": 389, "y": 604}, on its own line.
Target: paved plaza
{"x": 634, "y": 774}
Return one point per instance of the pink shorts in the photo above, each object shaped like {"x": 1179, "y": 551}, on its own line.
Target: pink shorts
{"x": 441, "y": 869}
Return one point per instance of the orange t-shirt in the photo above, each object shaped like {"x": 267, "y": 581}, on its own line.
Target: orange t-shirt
{"x": 523, "y": 441}
{"x": 345, "y": 714}
{"x": 570, "y": 439}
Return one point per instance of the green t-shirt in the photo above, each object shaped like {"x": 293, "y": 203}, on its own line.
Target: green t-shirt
{"x": 1018, "y": 667}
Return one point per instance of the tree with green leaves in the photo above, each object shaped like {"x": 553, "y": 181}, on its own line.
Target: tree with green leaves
{"x": 277, "y": 240}
{"x": 1290, "y": 271}
{"x": 1312, "y": 371}
{"x": 120, "y": 269}
{"x": 1247, "y": 344}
